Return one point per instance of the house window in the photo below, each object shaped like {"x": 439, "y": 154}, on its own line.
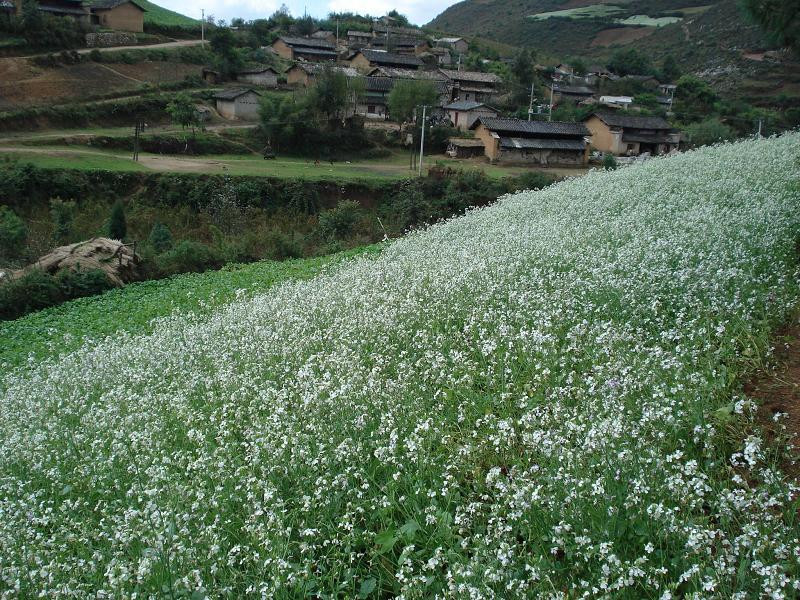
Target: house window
{"x": 631, "y": 147}
{"x": 371, "y": 109}
{"x": 456, "y": 121}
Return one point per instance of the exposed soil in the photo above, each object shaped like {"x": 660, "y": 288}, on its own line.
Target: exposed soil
{"x": 778, "y": 391}
{"x": 621, "y": 35}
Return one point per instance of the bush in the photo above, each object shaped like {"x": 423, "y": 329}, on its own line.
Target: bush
{"x": 338, "y": 222}
{"x": 708, "y": 132}
{"x": 160, "y": 238}
{"x": 63, "y": 215}
{"x": 13, "y": 232}
{"x": 533, "y": 180}
{"x": 78, "y": 284}
{"x": 33, "y": 291}
{"x": 283, "y": 246}
{"x": 188, "y": 257}
{"x": 609, "y": 162}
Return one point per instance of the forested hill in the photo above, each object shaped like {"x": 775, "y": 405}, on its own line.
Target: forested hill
{"x": 698, "y": 30}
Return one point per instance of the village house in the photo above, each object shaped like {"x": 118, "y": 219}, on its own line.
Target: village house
{"x": 513, "y": 141}
{"x": 365, "y": 59}
{"x": 464, "y": 113}
{"x": 121, "y": 15}
{"x": 464, "y": 148}
{"x": 569, "y": 93}
{"x": 304, "y": 74}
{"x": 261, "y": 76}
{"x": 460, "y": 45}
{"x": 358, "y": 39}
{"x": 624, "y": 135}
{"x": 391, "y": 31}
{"x": 74, "y": 9}
{"x": 399, "y": 45}
{"x": 298, "y": 48}
{"x": 238, "y": 104}
{"x": 473, "y": 85}
{"x": 374, "y": 104}
{"x": 441, "y": 56}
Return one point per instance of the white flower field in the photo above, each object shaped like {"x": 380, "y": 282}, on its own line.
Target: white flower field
{"x": 538, "y": 399}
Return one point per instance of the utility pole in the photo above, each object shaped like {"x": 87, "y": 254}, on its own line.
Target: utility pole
{"x": 530, "y": 106}
{"x": 552, "y": 85}
{"x": 760, "y": 122}
{"x": 422, "y": 140}
{"x": 202, "y": 25}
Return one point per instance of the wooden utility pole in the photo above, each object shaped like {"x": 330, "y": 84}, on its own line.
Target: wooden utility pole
{"x": 422, "y": 140}
{"x": 137, "y": 131}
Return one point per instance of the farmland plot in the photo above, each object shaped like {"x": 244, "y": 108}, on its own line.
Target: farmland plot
{"x": 538, "y": 399}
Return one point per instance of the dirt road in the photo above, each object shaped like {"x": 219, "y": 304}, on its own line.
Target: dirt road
{"x": 173, "y": 44}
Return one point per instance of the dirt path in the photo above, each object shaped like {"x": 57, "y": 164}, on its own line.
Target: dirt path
{"x": 175, "y": 44}
{"x": 107, "y": 68}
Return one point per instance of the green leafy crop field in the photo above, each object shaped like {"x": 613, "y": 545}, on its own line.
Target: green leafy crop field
{"x": 539, "y": 399}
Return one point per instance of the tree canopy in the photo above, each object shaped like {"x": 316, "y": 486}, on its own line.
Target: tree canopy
{"x": 407, "y": 95}
{"x": 779, "y": 18}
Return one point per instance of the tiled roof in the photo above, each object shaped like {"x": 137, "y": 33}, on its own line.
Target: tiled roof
{"x": 306, "y": 42}
{"x": 579, "y": 90}
{"x": 533, "y": 127}
{"x": 464, "y": 105}
{"x": 387, "y": 58}
{"x": 314, "y": 51}
{"x": 233, "y": 93}
{"x": 541, "y": 144}
{"x": 474, "y": 76}
{"x": 619, "y": 120}
{"x": 109, "y": 4}
{"x": 316, "y": 69}
{"x": 256, "y": 70}
{"x": 398, "y": 73}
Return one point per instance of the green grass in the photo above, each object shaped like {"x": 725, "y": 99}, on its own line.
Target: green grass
{"x": 162, "y": 16}
{"x": 131, "y": 309}
{"x": 387, "y": 169}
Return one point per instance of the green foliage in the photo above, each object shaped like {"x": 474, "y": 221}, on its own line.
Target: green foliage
{"x": 694, "y": 98}
{"x": 709, "y": 131}
{"x": 407, "y": 95}
{"x": 779, "y": 18}
{"x": 523, "y": 68}
{"x": 13, "y": 233}
{"x": 188, "y": 257}
{"x": 228, "y": 58}
{"x": 62, "y": 214}
{"x": 630, "y": 62}
{"x": 609, "y": 162}
{"x": 117, "y": 223}
{"x": 670, "y": 70}
{"x": 183, "y": 112}
{"x": 330, "y": 95}
{"x": 339, "y": 222}
{"x": 160, "y": 237}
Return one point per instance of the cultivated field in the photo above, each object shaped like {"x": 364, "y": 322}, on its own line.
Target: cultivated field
{"x": 538, "y": 399}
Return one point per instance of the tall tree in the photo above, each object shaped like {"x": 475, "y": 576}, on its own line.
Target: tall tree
{"x": 183, "y": 112}
{"x": 117, "y": 223}
{"x": 523, "y": 69}
{"x": 779, "y": 18}
{"x": 630, "y": 62}
{"x": 408, "y": 94}
{"x": 670, "y": 70}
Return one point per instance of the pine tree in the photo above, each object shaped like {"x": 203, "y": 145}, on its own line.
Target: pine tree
{"x": 160, "y": 238}
{"x": 779, "y": 18}
{"x": 117, "y": 224}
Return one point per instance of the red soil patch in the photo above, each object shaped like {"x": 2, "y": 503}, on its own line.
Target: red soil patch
{"x": 778, "y": 391}
{"x": 621, "y": 35}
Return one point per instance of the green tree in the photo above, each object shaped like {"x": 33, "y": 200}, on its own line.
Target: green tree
{"x": 407, "y": 95}
{"x": 695, "y": 98}
{"x": 305, "y": 26}
{"x": 117, "y": 223}
{"x": 578, "y": 66}
{"x": 330, "y": 95}
{"x": 227, "y": 55}
{"x": 609, "y": 162}
{"x": 183, "y": 112}
{"x": 399, "y": 19}
{"x": 779, "y": 18}
{"x": 523, "y": 69}
{"x": 630, "y": 62}
{"x": 13, "y": 233}
{"x": 62, "y": 213}
{"x": 670, "y": 71}
{"x": 710, "y": 131}
{"x": 160, "y": 237}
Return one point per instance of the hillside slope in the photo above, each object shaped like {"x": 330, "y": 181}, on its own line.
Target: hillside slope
{"x": 540, "y": 399}
{"x": 163, "y": 16}
{"x": 591, "y": 27}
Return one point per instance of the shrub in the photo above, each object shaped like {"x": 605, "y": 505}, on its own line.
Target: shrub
{"x": 338, "y": 222}
{"x": 708, "y": 132}
{"x": 609, "y": 162}
{"x": 160, "y": 238}
{"x": 62, "y": 214}
{"x": 33, "y": 291}
{"x": 79, "y": 283}
{"x": 283, "y": 246}
{"x": 532, "y": 180}
{"x": 188, "y": 257}
{"x": 117, "y": 224}
{"x": 13, "y": 232}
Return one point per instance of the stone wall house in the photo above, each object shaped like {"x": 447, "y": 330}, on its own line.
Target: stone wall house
{"x": 260, "y": 76}
{"x": 542, "y": 143}
{"x": 123, "y": 15}
{"x": 238, "y": 104}
{"x": 473, "y": 85}
{"x": 304, "y": 74}
{"x": 464, "y": 148}
{"x": 464, "y": 113}
{"x": 628, "y": 135}
{"x": 460, "y": 45}
{"x": 366, "y": 59}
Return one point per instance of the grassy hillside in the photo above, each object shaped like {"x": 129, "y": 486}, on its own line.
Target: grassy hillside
{"x": 162, "y": 16}
{"x": 538, "y": 399}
